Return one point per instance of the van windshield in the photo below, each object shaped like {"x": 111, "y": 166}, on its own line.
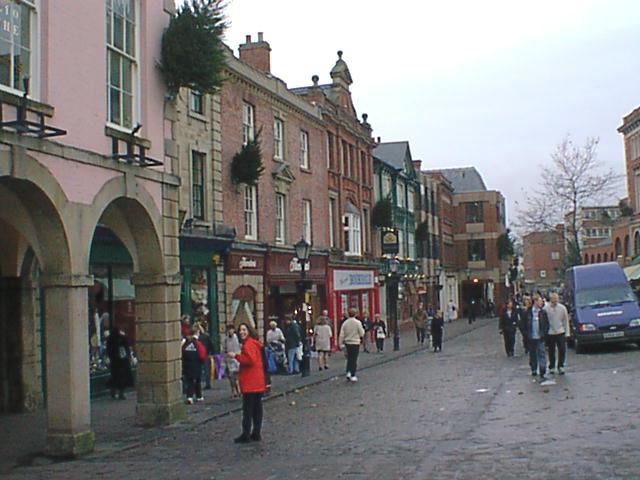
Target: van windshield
{"x": 604, "y": 296}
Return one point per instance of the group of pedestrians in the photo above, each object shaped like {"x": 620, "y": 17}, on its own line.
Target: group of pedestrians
{"x": 433, "y": 320}
{"x": 544, "y": 327}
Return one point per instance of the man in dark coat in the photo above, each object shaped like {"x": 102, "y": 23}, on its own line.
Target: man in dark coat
{"x": 119, "y": 354}
{"x": 508, "y": 325}
{"x": 537, "y": 328}
{"x": 293, "y": 339}
{"x": 437, "y": 329}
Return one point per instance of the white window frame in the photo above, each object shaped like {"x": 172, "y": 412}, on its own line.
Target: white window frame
{"x": 555, "y": 255}
{"x": 250, "y": 212}
{"x": 328, "y": 150}
{"x": 193, "y": 95}
{"x": 410, "y": 197}
{"x": 248, "y": 122}
{"x": 304, "y": 149}
{"x": 278, "y": 139}
{"x": 34, "y": 53}
{"x": 332, "y": 218}
{"x": 387, "y": 184}
{"x": 307, "y": 223}
{"x": 401, "y": 249}
{"x": 411, "y": 240}
{"x": 351, "y": 224}
{"x": 281, "y": 218}
{"x": 543, "y": 274}
{"x": 135, "y": 74}
{"x": 400, "y": 192}
{"x": 203, "y": 157}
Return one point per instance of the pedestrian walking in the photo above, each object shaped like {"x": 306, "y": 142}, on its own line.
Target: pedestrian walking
{"x": 507, "y": 326}
{"x": 232, "y": 344}
{"x": 522, "y": 310}
{"x": 205, "y": 339}
{"x": 322, "y": 339}
{"x": 420, "y": 318}
{"x": 452, "y": 311}
{"x": 253, "y": 383}
{"x": 293, "y": 342}
{"x": 350, "y": 337}
{"x": 367, "y": 324}
{"x": 119, "y": 354}
{"x": 537, "y": 327}
{"x": 194, "y": 355}
{"x": 437, "y": 331}
{"x": 559, "y": 331}
{"x": 380, "y": 330}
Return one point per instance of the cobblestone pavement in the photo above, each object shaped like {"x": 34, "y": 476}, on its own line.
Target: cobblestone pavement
{"x": 466, "y": 413}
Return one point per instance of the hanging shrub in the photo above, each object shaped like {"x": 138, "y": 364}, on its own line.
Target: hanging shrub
{"x": 193, "y": 54}
{"x": 381, "y": 214}
{"x": 422, "y": 231}
{"x": 506, "y": 247}
{"x": 246, "y": 165}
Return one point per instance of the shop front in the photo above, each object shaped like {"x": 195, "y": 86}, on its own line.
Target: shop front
{"x": 284, "y": 290}
{"x": 352, "y": 288}
{"x": 202, "y": 269}
{"x": 245, "y": 271}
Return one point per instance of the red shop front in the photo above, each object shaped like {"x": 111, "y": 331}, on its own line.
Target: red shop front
{"x": 357, "y": 288}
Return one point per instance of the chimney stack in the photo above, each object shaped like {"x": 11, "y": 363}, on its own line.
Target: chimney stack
{"x": 417, "y": 165}
{"x": 257, "y": 54}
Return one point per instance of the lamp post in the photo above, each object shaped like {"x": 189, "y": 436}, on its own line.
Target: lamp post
{"x": 438, "y": 286}
{"x": 392, "y": 301}
{"x": 303, "y": 250}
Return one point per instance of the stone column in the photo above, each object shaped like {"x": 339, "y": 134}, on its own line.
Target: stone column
{"x": 158, "y": 349}
{"x": 67, "y": 342}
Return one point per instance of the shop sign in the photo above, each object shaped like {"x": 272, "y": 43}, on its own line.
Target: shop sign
{"x": 390, "y": 244}
{"x": 353, "y": 279}
{"x": 296, "y": 266}
{"x": 247, "y": 262}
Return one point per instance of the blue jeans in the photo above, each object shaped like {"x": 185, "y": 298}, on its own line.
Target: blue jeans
{"x": 537, "y": 355}
{"x": 294, "y": 364}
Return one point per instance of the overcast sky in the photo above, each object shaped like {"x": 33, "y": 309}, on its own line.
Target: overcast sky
{"x": 493, "y": 83}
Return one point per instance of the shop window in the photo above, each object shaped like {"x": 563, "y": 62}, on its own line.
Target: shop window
{"x": 200, "y": 309}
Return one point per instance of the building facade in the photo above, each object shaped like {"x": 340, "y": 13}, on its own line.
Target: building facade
{"x": 288, "y": 202}
{"x": 396, "y": 179}
{"x": 89, "y": 212}
{"x": 352, "y": 273}
{"x": 543, "y": 259}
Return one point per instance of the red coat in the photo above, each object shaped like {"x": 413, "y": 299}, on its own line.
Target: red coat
{"x": 251, "y": 376}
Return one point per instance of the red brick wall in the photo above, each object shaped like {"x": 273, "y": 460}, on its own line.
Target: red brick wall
{"x": 538, "y": 247}
{"x": 311, "y": 185}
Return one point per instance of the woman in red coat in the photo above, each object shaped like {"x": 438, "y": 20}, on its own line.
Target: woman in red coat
{"x": 253, "y": 382}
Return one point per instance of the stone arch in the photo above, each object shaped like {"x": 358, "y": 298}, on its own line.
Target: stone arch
{"x": 606, "y": 256}
{"x": 617, "y": 248}
{"x": 599, "y": 258}
{"x": 243, "y": 305}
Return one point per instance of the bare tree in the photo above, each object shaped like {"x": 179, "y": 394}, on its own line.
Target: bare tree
{"x": 575, "y": 179}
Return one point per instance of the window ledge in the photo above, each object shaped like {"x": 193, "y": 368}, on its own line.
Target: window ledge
{"x": 123, "y": 134}
{"x": 32, "y": 105}
{"x": 305, "y": 170}
{"x": 197, "y": 116}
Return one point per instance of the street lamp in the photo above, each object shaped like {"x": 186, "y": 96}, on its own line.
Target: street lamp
{"x": 303, "y": 250}
{"x": 439, "y": 270}
{"x": 392, "y": 301}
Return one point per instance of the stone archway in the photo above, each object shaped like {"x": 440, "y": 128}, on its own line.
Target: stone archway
{"x": 152, "y": 242}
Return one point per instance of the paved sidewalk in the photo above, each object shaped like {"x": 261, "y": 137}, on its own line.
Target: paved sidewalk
{"x": 113, "y": 421}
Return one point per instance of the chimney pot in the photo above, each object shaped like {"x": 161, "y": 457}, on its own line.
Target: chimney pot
{"x": 248, "y": 39}
{"x": 260, "y": 35}
{"x": 378, "y": 139}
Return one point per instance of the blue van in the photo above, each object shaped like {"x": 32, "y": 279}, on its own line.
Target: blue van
{"x": 602, "y": 305}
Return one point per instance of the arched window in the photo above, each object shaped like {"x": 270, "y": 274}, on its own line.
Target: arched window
{"x": 636, "y": 243}
{"x": 599, "y": 258}
{"x": 606, "y": 257}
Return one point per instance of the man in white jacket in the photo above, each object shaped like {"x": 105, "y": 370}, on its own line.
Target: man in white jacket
{"x": 558, "y": 332}
{"x": 351, "y": 334}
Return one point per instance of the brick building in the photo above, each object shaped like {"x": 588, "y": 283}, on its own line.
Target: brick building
{"x": 352, "y": 270}
{"x": 543, "y": 259}
{"x": 479, "y": 219}
{"x": 288, "y": 203}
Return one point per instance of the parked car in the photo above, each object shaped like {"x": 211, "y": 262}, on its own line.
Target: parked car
{"x": 602, "y": 306}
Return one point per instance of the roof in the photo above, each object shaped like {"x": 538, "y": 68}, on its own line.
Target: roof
{"x": 392, "y": 153}
{"x": 464, "y": 179}
{"x": 598, "y": 275}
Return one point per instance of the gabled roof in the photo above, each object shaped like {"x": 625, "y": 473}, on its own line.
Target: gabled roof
{"x": 393, "y": 153}
{"x": 464, "y": 179}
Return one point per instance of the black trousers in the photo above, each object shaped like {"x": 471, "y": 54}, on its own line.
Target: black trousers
{"x": 509, "y": 337}
{"x": 437, "y": 341}
{"x": 557, "y": 342}
{"x": 352, "y": 358}
{"x": 380, "y": 344}
{"x": 194, "y": 386}
{"x": 420, "y": 333}
{"x": 251, "y": 413}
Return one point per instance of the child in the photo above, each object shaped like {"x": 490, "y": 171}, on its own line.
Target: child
{"x": 193, "y": 357}
{"x": 232, "y": 344}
